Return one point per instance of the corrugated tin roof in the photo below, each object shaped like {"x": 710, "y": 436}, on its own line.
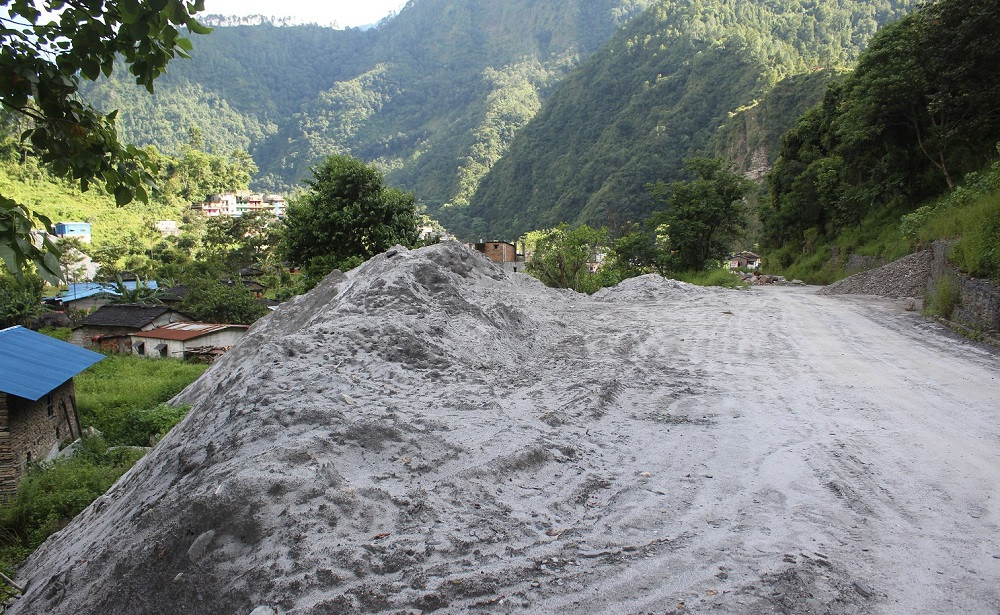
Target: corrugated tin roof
{"x": 82, "y": 290}
{"x": 32, "y": 364}
{"x": 126, "y": 315}
{"x": 182, "y": 331}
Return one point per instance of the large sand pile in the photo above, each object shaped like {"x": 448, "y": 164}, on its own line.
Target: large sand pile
{"x": 427, "y": 433}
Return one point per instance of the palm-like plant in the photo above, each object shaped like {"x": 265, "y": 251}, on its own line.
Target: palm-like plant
{"x": 142, "y": 293}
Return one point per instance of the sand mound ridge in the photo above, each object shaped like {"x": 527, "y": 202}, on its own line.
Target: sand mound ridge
{"x": 427, "y": 433}
{"x": 651, "y": 287}
{"x": 354, "y": 453}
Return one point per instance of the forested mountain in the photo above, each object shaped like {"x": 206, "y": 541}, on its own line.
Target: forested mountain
{"x": 878, "y": 165}
{"x": 433, "y": 95}
{"x": 655, "y": 95}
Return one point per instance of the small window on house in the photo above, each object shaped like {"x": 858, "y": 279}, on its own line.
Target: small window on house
{"x": 161, "y": 349}
{"x": 58, "y": 433}
{"x": 140, "y": 348}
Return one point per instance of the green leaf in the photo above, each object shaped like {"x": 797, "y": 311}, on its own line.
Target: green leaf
{"x": 9, "y": 256}
{"x": 123, "y": 196}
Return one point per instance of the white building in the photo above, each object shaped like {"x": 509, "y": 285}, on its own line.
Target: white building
{"x": 181, "y": 339}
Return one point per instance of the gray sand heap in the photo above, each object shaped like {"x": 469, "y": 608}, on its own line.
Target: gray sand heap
{"x": 651, "y": 287}
{"x": 427, "y": 433}
{"x": 903, "y": 278}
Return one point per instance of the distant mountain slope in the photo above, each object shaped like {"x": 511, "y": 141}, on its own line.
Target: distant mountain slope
{"x": 655, "y": 95}
{"x": 434, "y": 95}
{"x": 751, "y": 137}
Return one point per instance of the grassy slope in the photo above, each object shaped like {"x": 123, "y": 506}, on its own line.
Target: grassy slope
{"x": 111, "y": 226}
{"x": 970, "y": 216}
{"x": 122, "y": 396}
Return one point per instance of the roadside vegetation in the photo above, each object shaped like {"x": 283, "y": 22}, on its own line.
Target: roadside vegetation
{"x": 699, "y": 222}
{"x": 900, "y": 153}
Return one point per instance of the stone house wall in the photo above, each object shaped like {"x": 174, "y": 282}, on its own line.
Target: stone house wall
{"x": 499, "y": 251}
{"x": 83, "y": 336}
{"x": 29, "y": 430}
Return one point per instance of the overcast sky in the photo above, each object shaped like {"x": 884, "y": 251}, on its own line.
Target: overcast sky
{"x": 344, "y": 12}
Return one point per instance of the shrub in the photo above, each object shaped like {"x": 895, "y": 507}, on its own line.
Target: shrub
{"x": 712, "y": 277}
{"x": 122, "y": 395}
{"x": 943, "y": 299}
{"x": 52, "y": 493}
{"x": 60, "y": 333}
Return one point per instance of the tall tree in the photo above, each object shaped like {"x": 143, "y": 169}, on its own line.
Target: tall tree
{"x": 45, "y": 50}
{"x": 346, "y": 216}
{"x": 703, "y": 214}
{"x": 562, "y": 255}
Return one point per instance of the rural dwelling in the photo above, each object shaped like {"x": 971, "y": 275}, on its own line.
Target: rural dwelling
{"x": 80, "y": 230}
{"x": 502, "y": 253}
{"x": 168, "y": 228}
{"x": 37, "y": 401}
{"x": 276, "y": 204}
{"x": 744, "y": 260}
{"x": 187, "y": 339}
{"x": 90, "y": 295}
{"x": 109, "y": 327}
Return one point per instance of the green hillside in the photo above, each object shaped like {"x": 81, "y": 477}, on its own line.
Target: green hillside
{"x": 877, "y": 167}
{"x": 433, "y": 95}
{"x": 655, "y": 95}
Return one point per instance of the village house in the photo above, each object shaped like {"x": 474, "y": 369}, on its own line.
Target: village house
{"x": 744, "y": 260}
{"x": 90, "y": 295}
{"x": 187, "y": 339}
{"x": 109, "y": 327}
{"x": 37, "y": 399}
{"x": 79, "y": 230}
{"x": 168, "y": 228}
{"x": 502, "y": 253}
{"x": 234, "y": 204}
{"x": 276, "y": 204}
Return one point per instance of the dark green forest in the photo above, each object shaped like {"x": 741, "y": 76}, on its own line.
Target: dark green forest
{"x": 900, "y": 152}
{"x": 654, "y": 96}
{"x": 432, "y": 96}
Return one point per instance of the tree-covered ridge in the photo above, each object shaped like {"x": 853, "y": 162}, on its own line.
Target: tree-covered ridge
{"x": 921, "y": 110}
{"x": 432, "y": 96}
{"x": 654, "y": 96}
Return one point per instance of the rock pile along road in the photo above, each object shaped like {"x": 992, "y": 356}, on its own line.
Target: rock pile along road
{"x": 429, "y": 434}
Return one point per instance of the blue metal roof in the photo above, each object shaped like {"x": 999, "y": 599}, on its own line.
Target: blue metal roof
{"x": 32, "y": 364}
{"x": 83, "y": 290}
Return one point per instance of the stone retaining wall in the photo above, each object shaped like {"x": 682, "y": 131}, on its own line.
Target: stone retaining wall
{"x": 979, "y": 304}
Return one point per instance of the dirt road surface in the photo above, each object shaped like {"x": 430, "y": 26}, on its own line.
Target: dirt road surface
{"x": 429, "y": 435}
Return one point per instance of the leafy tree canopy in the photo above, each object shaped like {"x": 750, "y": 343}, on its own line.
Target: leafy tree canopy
{"x": 45, "y": 51}
{"x": 562, "y": 255}
{"x": 921, "y": 111}
{"x": 702, "y": 215}
{"x": 346, "y": 216}
{"x": 211, "y": 301}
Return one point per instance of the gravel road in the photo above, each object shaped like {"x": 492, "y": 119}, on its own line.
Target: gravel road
{"x": 427, "y": 434}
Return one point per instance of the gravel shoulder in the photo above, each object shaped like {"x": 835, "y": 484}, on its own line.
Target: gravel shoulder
{"x": 427, "y": 433}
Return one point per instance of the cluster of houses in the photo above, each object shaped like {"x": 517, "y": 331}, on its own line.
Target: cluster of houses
{"x": 153, "y": 331}
{"x": 37, "y": 397}
{"x": 235, "y": 204}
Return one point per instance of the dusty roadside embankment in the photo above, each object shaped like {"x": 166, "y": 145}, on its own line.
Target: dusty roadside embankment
{"x": 976, "y": 303}
{"x": 429, "y": 434}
